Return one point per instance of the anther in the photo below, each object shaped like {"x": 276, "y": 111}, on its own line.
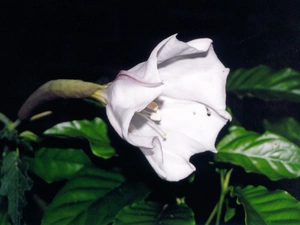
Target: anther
{"x": 155, "y": 116}
{"x": 152, "y": 124}
{"x": 153, "y": 106}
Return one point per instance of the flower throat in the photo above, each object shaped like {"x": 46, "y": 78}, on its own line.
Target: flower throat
{"x": 152, "y": 115}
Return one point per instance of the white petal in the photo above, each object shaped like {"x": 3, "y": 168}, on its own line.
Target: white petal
{"x": 190, "y": 128}
{"x": 147, "y": 71}
{"x": 143, "y": 131}
{"x": 191, "y": 119}
{"x": 202, "y": 44}
{"x": 197, "y": 77}
{"x": 187, "y": 81}
{"x": 166, "y": 50}
{"x": 170, "y": 157}
{"x": 125, "y": 96}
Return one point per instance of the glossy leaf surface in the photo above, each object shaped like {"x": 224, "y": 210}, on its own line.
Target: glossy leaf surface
{"x": 265, "y": 207}
{"x": 151, "y": 213}
{"x": 229, "y": 211}
{"x": 54, "y": 164}
{"x": 287, "y": 127}
{"x": 93, "y": 196}
{"x": 268, "y": 154}
{"x": 94, "y": 131}
{"x": 265, "y": 83}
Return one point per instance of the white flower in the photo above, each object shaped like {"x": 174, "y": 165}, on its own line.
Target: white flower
{"x": 172, "y": 106}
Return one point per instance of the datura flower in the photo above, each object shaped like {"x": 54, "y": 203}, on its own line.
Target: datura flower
{"x": 172, "y": 106}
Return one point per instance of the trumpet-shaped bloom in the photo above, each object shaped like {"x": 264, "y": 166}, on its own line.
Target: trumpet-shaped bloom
{"x": 172, "y": 106}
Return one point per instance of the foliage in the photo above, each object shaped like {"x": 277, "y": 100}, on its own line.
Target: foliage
{"x": 144, "y": 213}
{"x": 78, "y": 171}
{"x": 14, "y": 182}
{"x": 287, "y": 127}
{"x": 94, "y": 131}
{"x": 54, "y": 164}
{"x": 93, "y": 196}
{"x": 265, "y": 83}
{"x": 267, "y": 207}
{"x": 268, "y": 153}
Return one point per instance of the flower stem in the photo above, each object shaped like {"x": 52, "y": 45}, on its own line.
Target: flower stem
{"x": 224, "y": 180}
{"x": 5, "y": 120}
{"x": 8, "y": 123}
{"x": 220, "y": 206}
{"x": 16, "y": 123}
{"x": 213, "y": 213}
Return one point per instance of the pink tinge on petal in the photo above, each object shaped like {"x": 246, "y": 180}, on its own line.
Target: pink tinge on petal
{"x": 127, "y": 75}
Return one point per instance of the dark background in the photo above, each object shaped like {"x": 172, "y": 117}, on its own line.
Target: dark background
{"x": 92, "y": 40}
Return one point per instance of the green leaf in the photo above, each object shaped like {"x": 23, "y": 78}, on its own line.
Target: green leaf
{"x": 4, "y": 218}
{"x": 151, "y": 213}
{"x": 29, "y": 135}
{"x": 6, "y": 121}
{"x": 14, "y": 183}
{"x": 267, "y": 207}
{"x": 93, "y": 196}
{"x": 229, "y": 211}
{"x": 269, "y": 154}
{"x": 265, "y": 83}
{"x": 234, "y": 121}
{"x": 287, "y": 127}
{"x": 94, "y": 131}
{"x": 9, "y": 135}
{"x": 54, "y": 164}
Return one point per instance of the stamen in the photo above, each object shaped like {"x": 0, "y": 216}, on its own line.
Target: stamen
{"x": 152, "y": 124}
{"x": 155, "y": 116}
{"x": 153, "y": 106}
{"x": 152, "y": 112}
